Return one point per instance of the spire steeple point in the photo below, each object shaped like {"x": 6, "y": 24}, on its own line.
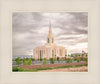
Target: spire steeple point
{"x": 50, "y": 31}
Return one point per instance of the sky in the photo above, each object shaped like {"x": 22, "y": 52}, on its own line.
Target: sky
{"x": 30, "y": 29}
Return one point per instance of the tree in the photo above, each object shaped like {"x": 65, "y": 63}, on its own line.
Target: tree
{"x": 82, "y": 56}
{"x": 86, "y": 60}
{"x": 68, "y": 55}
{"x": 18, "y": 61}
{"x": 27, "y": 61}
{"x": 45, "y": 61}
{"x": 86, "y": 55}
{"x": 58, "y": 59}
{"x": 78, "y": 59}
{"x": 74, "y": 58}
{"x": 40, "y": 59}
{"x": 32, "y": 59}
{"x": 71, "y": 55}
{"x": 71, "y": 60}
{"x": 75, "y": 55}
{"x": 68, "y": 60}
{"x": 52, "y": 60}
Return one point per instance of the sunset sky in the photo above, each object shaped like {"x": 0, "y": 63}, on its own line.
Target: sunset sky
{"x": 30, "y": 30}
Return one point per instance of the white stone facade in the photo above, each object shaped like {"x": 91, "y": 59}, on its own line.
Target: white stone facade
{"x": 50, "y": 49}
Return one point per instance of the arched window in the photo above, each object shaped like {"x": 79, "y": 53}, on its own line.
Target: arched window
{"x": 52, "y": 53}
{"x": 60, "y": 52}
{"x": 48, "y": 40}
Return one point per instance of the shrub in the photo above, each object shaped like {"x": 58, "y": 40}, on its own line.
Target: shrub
{"x": 72, "y": 55}
{"x": 71, "y": 60}
{"x": 32, "y": 59}
{"x": 27, "y": 61}
{"x": 52, "y": 60}
{"x": 15, "y": 68}
{"x": 68, "y": 60}
{"x": 27, "y": 58}
{"x": 40, "y": 59}
{"x": 75, "y": 55}
{"x": 82, "y": 55}
{"x": 18, "y": 61}
{"x": 45, "y": 61}
{"x": 21, "y": 59}
{"x": 57, "y": 58}
{"x": 86, "y": 59}
{"x": 78, "y": 59}
{"x": 74, "y": 58}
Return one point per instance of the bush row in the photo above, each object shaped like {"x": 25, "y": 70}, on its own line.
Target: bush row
{"x": 28, "y": 61}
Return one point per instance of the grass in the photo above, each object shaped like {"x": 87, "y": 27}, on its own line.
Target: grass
{"x": 17, "y": 69}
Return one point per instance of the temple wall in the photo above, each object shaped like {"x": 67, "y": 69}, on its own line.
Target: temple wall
{"x": 43, "y": 52}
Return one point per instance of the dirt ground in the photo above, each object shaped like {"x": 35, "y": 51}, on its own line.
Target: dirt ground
{"x": 78, "y": 69}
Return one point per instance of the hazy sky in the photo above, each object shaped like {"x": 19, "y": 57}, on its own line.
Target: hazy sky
{"x": 30, "y": 30}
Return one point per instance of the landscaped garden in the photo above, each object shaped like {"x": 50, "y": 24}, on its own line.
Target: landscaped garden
{"x": 20, "y": 65}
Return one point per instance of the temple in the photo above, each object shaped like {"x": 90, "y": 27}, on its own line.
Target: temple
{"x": 49, "y": 49}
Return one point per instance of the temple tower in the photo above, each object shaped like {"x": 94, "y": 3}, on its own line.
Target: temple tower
{"x": 50, "y": 38}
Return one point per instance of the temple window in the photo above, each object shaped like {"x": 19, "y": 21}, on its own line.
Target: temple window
{"x": 48, "y": 40}
{"x": 60, "y": 52}
{"x": 52, "y": 53}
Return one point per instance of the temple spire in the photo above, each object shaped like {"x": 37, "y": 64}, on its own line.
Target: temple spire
{"x": 50, "y": 38}
{"x": 50, "y": 31}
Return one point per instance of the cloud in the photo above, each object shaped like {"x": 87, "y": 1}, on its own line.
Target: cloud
{"x": 30, "y": 29}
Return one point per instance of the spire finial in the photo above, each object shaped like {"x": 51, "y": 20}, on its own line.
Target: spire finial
{"x": 50, "y": 31}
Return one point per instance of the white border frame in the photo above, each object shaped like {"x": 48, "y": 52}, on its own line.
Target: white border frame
{"x": 9, "y": 77}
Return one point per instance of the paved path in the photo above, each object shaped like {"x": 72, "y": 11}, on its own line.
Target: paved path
{"x": 78, "y": 69}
